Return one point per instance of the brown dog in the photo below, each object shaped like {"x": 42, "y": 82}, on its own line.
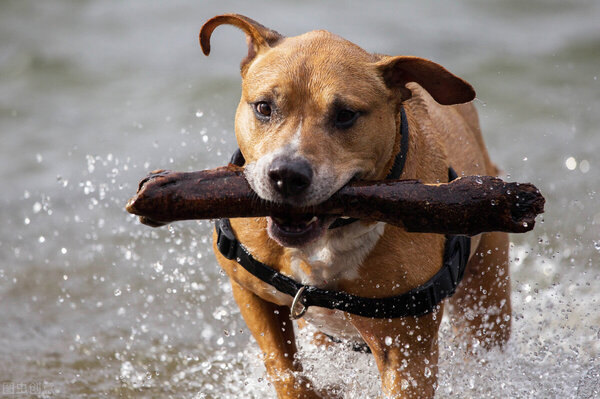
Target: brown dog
{"x": 316, "y": 112}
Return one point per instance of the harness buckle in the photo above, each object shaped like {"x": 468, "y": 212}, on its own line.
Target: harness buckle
{"x": 296, "y": 313}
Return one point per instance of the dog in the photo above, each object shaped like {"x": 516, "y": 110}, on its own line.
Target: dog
{"x": 317, "y": 112}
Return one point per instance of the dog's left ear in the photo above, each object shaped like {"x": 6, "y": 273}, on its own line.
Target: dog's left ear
{"x": 444, "y": 87}
{"x": 259, "y": 37}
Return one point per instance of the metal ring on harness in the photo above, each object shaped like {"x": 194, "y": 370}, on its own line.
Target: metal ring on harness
{"x": 294, "y": 312}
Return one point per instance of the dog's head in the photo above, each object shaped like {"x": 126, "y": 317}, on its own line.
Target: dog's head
{"x": 318, "y": 111}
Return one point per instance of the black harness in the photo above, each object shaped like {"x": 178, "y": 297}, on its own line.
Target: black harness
{"x": 416, "y": 302}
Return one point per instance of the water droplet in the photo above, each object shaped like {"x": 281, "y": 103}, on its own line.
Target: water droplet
{"x": 525, "y": 224}
{"x": 37, "y": 207}
{"x": 91, "y": 164}
{"x": 525, "y": 159}
{"x": 404, "y": 385}
{"x": 63, "y": 250}
{"x": 427, "y": 372}
{"x": 478, "y": 180}
{"x": 42, "y": 239}
{"x": 493, "y": 202}
{"x": 597, "y": 245}
{"x": 199, "y": 114}
{"x": 571, "y": 163}
{"x": 388, "y": 341}
{"x": 117, "y": 292}
{"x": 158, "y": 267}
{"x": 39, "y": 158}
{"x": 584, "y": 166}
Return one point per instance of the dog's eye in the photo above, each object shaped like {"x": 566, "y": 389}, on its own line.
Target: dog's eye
{"x": 263, "y": 109}
{"x": 345, "y": 118}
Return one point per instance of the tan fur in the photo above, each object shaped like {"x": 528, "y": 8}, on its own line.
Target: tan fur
{"x": 302, "y": 77}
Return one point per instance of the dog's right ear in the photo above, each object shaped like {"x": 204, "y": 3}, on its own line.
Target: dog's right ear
{"x": 258, "y": 37}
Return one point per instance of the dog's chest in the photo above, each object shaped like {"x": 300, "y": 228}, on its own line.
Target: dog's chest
{"x": 335, "y": 257}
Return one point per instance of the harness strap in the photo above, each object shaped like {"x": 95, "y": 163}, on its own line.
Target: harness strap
{"x": 416, "y": 302}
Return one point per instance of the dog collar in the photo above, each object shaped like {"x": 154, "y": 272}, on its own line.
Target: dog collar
{"x": 397, "y": 167}
{"x": 400, "y": 159}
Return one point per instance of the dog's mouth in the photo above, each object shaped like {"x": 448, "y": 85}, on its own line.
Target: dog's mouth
{"x": 297, "y": 231}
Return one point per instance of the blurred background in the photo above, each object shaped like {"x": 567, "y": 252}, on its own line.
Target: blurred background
{"x": 93, "y": 94}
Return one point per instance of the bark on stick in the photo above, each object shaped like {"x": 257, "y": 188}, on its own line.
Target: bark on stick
{"x": 468, "y": 205}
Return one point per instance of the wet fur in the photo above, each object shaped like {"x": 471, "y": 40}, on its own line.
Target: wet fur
{"x": 306, "y": 76}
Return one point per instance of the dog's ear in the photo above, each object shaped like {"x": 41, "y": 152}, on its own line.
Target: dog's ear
{"x": 443, "y": 86}
{"x": 258, "y": 37}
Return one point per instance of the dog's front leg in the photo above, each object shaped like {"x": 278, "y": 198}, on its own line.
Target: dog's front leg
{"x": 272, "y": 328}
{"x": 406, "y": 353}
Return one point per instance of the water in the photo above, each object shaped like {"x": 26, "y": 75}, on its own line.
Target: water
{"x": 93, "y": 94}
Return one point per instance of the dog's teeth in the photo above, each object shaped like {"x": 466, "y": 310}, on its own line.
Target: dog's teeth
{"x": 345, "y": 217}
{"x": 314, "y": 219}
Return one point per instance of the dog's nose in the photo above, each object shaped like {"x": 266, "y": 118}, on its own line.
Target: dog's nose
{"x": 290, "y": 177}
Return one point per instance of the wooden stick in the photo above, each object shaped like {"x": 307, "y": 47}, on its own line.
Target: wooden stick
{"x": 468, "y": 205}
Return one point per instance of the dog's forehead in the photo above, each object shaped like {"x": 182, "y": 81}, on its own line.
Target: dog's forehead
{"x": 326, "y": 43}
{"x": 316, "y": 61}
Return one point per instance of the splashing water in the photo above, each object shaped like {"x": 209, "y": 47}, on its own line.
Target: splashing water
{"x": 94, "y": 303}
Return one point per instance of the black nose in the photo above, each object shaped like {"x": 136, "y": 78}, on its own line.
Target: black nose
{"x": 290, "y": 177}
